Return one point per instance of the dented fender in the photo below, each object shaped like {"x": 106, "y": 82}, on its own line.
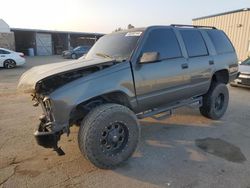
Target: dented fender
{"x": 113, "y": 79}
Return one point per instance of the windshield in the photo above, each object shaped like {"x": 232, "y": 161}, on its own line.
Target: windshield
{"x": 117, "y": 46}
{"x": 246, "y": 62}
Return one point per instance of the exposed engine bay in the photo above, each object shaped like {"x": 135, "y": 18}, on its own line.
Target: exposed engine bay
{"x": 53, "y": 82}
{"x": 46, "y": 78}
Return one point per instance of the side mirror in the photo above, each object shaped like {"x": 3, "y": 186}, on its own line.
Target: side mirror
{"x": 149, "y": 57}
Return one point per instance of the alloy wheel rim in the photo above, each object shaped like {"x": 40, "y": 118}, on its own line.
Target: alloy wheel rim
{"x": 10, "y": 64}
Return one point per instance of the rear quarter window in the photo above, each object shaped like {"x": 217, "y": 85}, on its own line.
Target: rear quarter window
{"x": 194, "y": 43}
{"x": 221, "y": 42}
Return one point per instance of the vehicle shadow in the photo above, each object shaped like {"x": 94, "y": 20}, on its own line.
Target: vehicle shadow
{"x": 240, "y": 88}
{"x": 167, "y": 153}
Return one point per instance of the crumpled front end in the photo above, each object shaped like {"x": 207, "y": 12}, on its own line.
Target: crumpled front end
{"x": 41, "y": 82}
{"x": 48, "y": 132}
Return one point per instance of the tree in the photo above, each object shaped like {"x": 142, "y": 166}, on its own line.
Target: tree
{"x": 118, "y": 29}
{"x": 130, "y": 26}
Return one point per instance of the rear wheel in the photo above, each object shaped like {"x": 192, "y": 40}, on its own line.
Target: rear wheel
{"x": 9, "y": 64}
{"x": 73, "y": 56}
{"x": 109, "y": 135}
{"x": 215, "y": 102}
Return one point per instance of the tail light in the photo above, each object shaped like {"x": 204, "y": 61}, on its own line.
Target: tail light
{"x": 21, "y": 54}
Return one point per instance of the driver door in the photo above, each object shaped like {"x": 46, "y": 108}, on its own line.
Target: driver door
{"x": 165, "y": 80}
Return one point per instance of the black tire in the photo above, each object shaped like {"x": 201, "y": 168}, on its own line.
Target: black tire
{"x": 9, "y": 64}
{"x": 109, "y": 135}
{"x": 215, "y": 102}
{"x": 73, "y": 56}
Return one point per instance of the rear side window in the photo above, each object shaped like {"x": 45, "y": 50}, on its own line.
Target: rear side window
{"x": 221, "y": 42}
{"x": 164, "y": 41}
{"x": 194, "y": 43}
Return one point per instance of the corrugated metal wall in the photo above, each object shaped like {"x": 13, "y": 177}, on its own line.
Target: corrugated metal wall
{"x": 43, "y": 44}
{"x": 236, "y": 26}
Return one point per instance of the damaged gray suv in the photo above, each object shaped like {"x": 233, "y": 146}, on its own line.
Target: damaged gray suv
{"x": 126, "y": 76}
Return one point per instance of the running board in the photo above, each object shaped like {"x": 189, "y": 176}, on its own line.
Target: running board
{"x": 168, "y": 110}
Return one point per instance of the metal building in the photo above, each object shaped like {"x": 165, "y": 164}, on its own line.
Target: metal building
{"x": 48, "y": 42}
{"x": 236, "y": 24}
{"x": 7, "y": 39}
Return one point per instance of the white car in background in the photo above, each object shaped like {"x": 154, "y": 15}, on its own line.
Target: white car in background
{"x": 10, "y": 59}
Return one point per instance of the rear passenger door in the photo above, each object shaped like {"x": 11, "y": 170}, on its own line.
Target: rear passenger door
{"x": 166, "y": 80}
{"x": 225, "y": 57}
{"x": 201, "y": 63}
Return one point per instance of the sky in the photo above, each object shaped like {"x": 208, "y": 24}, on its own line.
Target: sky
{"x": 104, "y": 16}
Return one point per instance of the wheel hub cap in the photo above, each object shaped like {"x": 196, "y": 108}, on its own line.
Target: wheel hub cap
{"x": 114, "y": 138}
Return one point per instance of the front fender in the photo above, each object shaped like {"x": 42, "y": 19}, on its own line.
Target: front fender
{"x": 66, "y": 98}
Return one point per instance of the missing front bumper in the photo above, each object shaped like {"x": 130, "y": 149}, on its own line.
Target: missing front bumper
{"x": 48, "y": 139}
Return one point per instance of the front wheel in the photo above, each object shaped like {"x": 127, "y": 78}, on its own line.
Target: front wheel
{"x": 215, "y": 102}
{"x": 109, "y": 135}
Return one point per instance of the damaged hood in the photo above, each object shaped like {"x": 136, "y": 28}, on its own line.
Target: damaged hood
{"x": 29, "y": 79}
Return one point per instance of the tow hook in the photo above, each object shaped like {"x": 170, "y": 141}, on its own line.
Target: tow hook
{"x": 59, "y": 151}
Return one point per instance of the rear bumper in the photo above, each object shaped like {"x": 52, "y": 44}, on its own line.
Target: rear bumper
{"x": 21, "y": 61}
{"x": 233, "y": 76}
{"x": 238, "y": 82}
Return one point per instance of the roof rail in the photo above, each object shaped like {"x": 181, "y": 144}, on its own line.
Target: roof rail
{"x": 195, "y": 26}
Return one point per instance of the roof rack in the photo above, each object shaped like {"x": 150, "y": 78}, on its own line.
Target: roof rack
{"x": 195, "y": 26}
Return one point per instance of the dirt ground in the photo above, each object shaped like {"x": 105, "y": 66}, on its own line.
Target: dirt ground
{"x": 186, "y": 150}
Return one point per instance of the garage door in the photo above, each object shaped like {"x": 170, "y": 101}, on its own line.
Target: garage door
{"x": 43, "y": 44}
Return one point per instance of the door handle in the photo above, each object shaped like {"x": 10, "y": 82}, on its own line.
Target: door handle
{"x": 184, "y": 66}
{"x": 211, "y": 62}
{"x": 2, "y": 55}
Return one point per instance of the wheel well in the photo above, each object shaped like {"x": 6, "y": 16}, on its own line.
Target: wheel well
{"x": 9, "y": 59}
{"x": 82, "y": 109}
{"x": 118, "y": 98}
{"x": 221, "y": 76}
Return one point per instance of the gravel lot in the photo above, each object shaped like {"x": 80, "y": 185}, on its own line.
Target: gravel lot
{"x": 167, "y": 155}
